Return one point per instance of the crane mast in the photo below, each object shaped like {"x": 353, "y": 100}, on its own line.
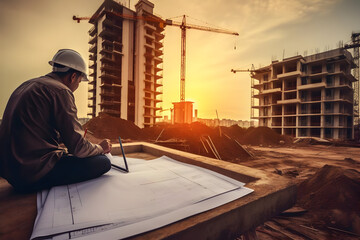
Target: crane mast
{"x": 183, "y": 59}
{"x": 183, "y": 26}
{"x": 251, "y": 71}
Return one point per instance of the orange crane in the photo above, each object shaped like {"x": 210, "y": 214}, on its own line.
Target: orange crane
{"x": 183, "y": 26}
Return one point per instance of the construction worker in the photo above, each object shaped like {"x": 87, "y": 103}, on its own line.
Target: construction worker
{"x": 40, "y": 119}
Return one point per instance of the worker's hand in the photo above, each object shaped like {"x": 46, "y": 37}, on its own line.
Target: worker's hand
{"x": 106, "y": 145}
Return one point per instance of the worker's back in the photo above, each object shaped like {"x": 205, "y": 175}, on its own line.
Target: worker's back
{"x": 28, "y": 139}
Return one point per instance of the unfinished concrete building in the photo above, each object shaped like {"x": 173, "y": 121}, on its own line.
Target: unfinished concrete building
{"x": 308, "y": 96}
{"x": 126, "y": 49}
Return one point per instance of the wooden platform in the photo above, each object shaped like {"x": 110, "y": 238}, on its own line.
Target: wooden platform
{"x": 273, "y": 194}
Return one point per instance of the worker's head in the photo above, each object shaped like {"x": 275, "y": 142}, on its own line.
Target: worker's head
{"x": 70, "y": 67}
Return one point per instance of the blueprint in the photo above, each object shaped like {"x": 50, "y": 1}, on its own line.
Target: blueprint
{"x": 117, "y": 205}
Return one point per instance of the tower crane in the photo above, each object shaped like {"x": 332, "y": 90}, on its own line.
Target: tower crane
{"x": 183, "y": 26}
{"x": 252, "y": 73}
{"x": 126, "y": 16}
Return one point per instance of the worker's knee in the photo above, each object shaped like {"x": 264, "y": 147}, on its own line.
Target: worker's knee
{"x": 107, "y": 165}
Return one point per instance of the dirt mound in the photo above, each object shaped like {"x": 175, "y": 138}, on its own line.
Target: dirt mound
{"x": 335, "y": 191}
{"x": 105, "y": 126}
{"x": 195, "y": 137}
{"x": 186, "y": 131}
{"x": 234, "y": 131}
{"x": 199, "y": 139}
{"x": 229, "y": 149}
{"x": 261, "y": 135}
{"x": 177, "y": 131}
{"x": 152, "y": 133}
{"x": 331, "y": 187}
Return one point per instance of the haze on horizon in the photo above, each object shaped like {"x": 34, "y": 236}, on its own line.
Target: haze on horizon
{"x": 32, "y": 31}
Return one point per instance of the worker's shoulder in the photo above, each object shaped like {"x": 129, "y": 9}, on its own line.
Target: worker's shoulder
{"x": 47, "y": 82}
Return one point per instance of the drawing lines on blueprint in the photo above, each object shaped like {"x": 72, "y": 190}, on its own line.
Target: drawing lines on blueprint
{"x": 75, "y": 200}
{"x": 71, "y": 207}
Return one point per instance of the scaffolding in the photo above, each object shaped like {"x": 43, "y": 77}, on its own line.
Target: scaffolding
{"x": 252, "y": 110}
{"x": 355, "y": 43}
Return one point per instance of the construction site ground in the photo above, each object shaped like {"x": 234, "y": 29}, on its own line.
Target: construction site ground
{"x": 327, "y": 173}
{"x": 305, "y": 221}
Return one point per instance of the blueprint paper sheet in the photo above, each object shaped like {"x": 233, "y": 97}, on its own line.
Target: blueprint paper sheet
{"x": 117, "y": 205}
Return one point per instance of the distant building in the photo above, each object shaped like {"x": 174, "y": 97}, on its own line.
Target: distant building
{"x": 183, "y": 112}
{"x": 308, "y": 96}
{"x": 225, "y": 122}
{"x": 126, "y": 49}
{"x": 166, "y": 119}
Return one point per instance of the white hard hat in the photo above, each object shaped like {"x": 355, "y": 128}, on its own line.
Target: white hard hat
{"x": 69, "y": 59}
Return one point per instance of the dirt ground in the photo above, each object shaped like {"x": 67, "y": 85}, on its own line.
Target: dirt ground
{"x": 302, "y": 162}
{"x": 311, "y": 218}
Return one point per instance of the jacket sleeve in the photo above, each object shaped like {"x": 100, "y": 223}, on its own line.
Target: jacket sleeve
{"x": 69, "y": 127}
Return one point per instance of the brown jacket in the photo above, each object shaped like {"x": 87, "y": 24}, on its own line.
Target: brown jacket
{"x": 40, "y": 115}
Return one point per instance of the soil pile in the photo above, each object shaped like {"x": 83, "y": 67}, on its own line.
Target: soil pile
{"x": 223, "y": 142}
{"x": 334, "y": 193}
{"x": 234, "y": 131}
{"x": 261, "y": 135}
{"x": 190, "y": 132}
{"x": 199, "y": 139}
{"x": 105, "y": 126}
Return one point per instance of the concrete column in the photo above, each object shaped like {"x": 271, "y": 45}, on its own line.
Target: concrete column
{"x": 282, "y": 119}
{"x": 98, "y": 66}
{"x": 336, "y": 133}
{"x": 336, "y": 107}
{"x": 127, "y": 62}
{"x": 297, "y": 120}
{"x": 336, "y": 120}
{"x": 139, "y": 73}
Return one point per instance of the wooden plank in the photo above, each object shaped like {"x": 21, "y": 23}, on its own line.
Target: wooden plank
{"x": 17, "y": 212}
{"x": 287, "y": 234}
{"x": 250, "y": 235}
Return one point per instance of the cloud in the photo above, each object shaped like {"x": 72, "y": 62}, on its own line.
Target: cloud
{"x": 255, "y": 17}
{"x": 264, "y": 16}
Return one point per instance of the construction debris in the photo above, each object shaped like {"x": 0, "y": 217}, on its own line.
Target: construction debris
{"x": 195, "y": 137}
{"x": 311, "y": 140}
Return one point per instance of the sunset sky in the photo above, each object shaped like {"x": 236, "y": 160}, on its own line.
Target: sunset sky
{"x": 32, "y": 31}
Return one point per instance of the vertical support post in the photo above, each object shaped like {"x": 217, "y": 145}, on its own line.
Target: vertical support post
{"x": 252, "y": 110}
{"x": 355, "y": 37}
{"x": 183, "y": 59}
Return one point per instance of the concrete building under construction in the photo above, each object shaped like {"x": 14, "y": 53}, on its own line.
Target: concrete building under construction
{"x": 126, "y": 49}
{"x": 307, "y": 96}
